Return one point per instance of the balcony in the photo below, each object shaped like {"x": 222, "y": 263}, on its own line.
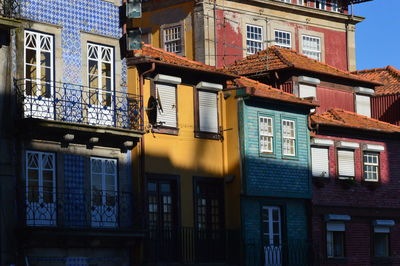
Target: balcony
{"x": 87, "y": 114}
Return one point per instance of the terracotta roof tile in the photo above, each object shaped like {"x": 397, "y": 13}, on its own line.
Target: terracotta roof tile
{"x": 157, "y": 54}
{"x": 276, "y": 58}
{"x": 341, "y": 118}
{"x": 389, "y": 76}
{"x": 255, "y": 88}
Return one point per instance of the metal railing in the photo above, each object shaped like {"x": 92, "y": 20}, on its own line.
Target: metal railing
{"x": 79, "y": 209}
{"x": 10, "y": 8}
{"x": 79, "y": 104}
{"x": 187, "y": 245}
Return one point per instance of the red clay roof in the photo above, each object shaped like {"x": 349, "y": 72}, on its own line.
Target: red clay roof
{"x": 341, "y": 118}
{"x": 389, "y": 76}
{"x": 255, "y": 88}
{"x": 156, "y": 54}
{"x": 276, "y": 58}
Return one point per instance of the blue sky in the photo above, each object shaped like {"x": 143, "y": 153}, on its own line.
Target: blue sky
{"x": 378, "y": 36}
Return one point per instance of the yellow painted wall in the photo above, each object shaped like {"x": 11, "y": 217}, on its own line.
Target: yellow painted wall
{"x": 165, "y": 16}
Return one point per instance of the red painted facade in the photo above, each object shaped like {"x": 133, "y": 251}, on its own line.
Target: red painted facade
{"x": 363, "y": 202}
{"x": 331, "y": 98}
{"x": 386, "y": 108}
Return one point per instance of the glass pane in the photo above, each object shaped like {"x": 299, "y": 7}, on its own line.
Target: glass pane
{"x": 165, "y": 188}
{"x": 106, "y": 69}
{"x": 110, "y": 183}
{"x": 30, "y": 56}
{"x": 48, "y": 176}
{"x": 33, "y": 190}
{"x": 338, "y": 242}
{"x": 48, "y": 193}
{"x": 152, "y": 187}
{"x": 381, "y": 244}
{"x": 45, "y": 59}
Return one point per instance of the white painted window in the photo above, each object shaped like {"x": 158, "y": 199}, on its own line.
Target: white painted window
{"x": 283, "y": 39}
{"x": 306, "y": 90}
{"x": 363, "y": 105}
{"x": 101, "y": 83}
{"x": 289, "y": 137}
{"x": 334, "y": 6}
{"x": 346, "y": 164}
{"x": 104, "y": 192}
{"x": 371, "y": 166}
{"x": 40, "y": 171}
{"x": 255, "y": 40}
{"x": 166, "y": 97}
{"x": 266, "y": 132}
{"x": 173, "y": 39}
{"x": 300, "y": 2}
{"x": 320, "y": 161}
{"x": 312, "y": 47}
{"x": 335, "y": 239}
{"x": 320, "y": 4}
{"x": 208, "y": 111}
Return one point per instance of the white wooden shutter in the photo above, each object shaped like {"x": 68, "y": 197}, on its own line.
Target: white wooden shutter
{"x": 363, "y": 105}
{"x": 166, "y": 94}
{"x": 208, "y": 111}
{"x": 307, "y": 91}
{"x": 346, "y": 163}
{"x": 320, "y": 162}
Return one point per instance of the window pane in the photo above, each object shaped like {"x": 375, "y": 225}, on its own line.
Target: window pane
{"x": 381, "y": 245}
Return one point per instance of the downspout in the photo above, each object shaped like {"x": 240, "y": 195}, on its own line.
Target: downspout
{"x": 215, "y": 33}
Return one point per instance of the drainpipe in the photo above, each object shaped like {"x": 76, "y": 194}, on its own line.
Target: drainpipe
{"x": 215, "y": 33}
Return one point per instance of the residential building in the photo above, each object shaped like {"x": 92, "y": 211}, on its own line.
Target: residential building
{"x": 221, "y": 31}
{"x": 192, "y": 210}
{"x": 71, "y": 200}
{"x": 386, "y": 102}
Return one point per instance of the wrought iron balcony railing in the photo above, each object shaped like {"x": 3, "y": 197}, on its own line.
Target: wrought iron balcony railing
{"x": 10, "y": 8}
{"x": 79, "y": 104}
{"x": 78, "y": 209}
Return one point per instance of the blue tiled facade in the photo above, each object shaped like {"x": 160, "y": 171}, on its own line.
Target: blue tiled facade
{"x": 274, "y": 179}
{"x": 76, "y": 16}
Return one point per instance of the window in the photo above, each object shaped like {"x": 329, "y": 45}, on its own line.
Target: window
{"x": 104, "y": 192}
{"x": 283, "y": 39}
{"x": 334, "y": 6}
{"x": 40, "y": 197}
{"x": 271, "y": 224}
{"x": 320, "y": 4}
{"x": 346, "y": 164}
{"x": 101, "y": 84}
{"x": 335, "y": 239}
{"x": 320, "y": 161}
{"x": 266, "y": 132}
{"x": 363, "y": 105}
{"x": 254, "y": 39}
{"x": 208, "y": 111}
{"x": 306, "y": 90}
{"x": 286, "y": 1}
{"x": 289, "y": 137}
{"x": 312, "y": 47}
{"x": 173, "y": 39}
{"x": 371, "y": 166}
{"x": 381, "y": 244}
{"x": 166, "y": 97}
{"x": 300, "y": 2}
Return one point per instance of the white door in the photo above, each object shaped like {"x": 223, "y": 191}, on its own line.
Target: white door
{"x": 272, "y": 235}
{"x": 101, "y": 85}
{"x": 104, "y": 192}
{"x": 40, "y": 189}
{"x": 38, "y": 75}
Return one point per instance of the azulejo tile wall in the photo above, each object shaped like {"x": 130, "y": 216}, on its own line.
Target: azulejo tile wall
{"x": 95, "y": 16}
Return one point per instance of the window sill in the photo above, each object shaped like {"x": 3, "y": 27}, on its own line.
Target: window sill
{"x": 166, "y": 130}
{"x": 289, "y": 157}
{"x": 207, "y": 135}
{"x": 267, "y": 154}
{"x": 346, "y": 182}
{"x": 338, "y": 260}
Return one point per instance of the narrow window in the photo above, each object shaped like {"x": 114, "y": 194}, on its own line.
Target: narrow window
{"x": 312, "y": 47}
{"x": 320, "y": 4}
{"x": 283, "y": 39}
{"x": 335, "y": 239}
{"x": 371, "y": 166}
{"x": 208, "y": 111}
{"x": 173, "y": 39}
{"x": 300, "y": 2}
{"x": 254, "y": 41}
{"x": 381, "y": 244}
{"x": 266, "y": 132}
{"x": 272, "y": 234}
{"x": 166, "y": 97}
{"x": 363, "y": 105}
{"x": 346, "y": 164}
{"x": 306, "y": 90}
{"x": 334, "y": 6}
{"x": 289, "y": 137}
{"x": 320, "y": 161}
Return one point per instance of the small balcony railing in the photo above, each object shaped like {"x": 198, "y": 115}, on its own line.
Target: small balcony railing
{"x": 79, "y": 104}
{"x": 10, "y": 8}
{"x": 80, "y": 210}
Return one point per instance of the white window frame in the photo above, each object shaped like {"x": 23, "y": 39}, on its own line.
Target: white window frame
{"x": 270, "y": 222}
{"x": 300, "y": 2}
{"x": 334, "y": 6}
{"x": 204, "y": 125}
{"x": 40, "y": 212}
{"x": 284, "y": 39}
{"x": 287, "y": 138}
{"x": 339, "y": 151}
{"x": 316, "y": 172}
{"x": 266, "y": 134}
{"x": 173, "y": 38}
{"x": 374, "y": 167}
{"x": 320, "y": 4}
{"x": 311, "y": 47}
{"x": 254, "y": 45}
